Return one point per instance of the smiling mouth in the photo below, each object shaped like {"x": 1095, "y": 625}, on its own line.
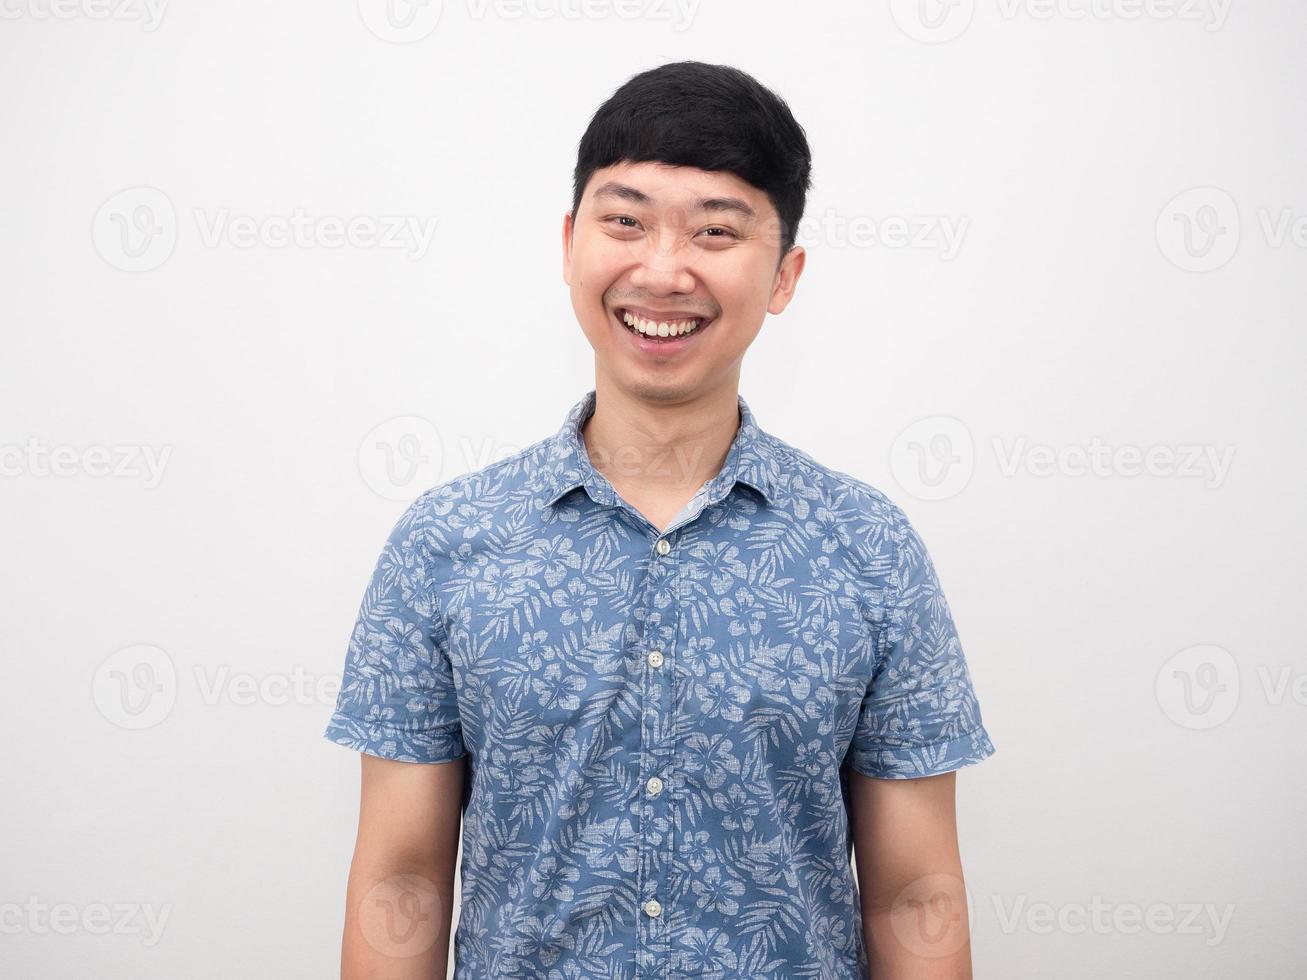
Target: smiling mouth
{"x": 662, "y": 330}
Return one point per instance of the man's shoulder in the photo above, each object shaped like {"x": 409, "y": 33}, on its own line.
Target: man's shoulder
{"x": 499, "y": 482}
{"x": 805, "y": 476}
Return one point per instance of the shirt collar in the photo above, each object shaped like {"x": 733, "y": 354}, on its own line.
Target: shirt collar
{"x": 567, "y": 465}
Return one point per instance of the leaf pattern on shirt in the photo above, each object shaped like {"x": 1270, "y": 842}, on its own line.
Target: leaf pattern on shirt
{"x": 509, "y": 620}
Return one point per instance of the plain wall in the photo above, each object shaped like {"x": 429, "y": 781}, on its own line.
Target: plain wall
{"x": 1053, "y": 306}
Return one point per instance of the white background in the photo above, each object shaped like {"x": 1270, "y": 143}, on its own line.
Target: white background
{"x": 1066, "y": 139}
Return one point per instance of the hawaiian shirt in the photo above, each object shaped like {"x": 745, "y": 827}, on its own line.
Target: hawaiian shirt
{"x": 658, "y": 724}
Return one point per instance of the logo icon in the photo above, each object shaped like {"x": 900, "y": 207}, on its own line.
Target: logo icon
{"x": 398, "y": 915}
{"x": 933, "y": 458}
{"x": 136, "y": 229}
{"x": 932, "y": 21}
{"x": 401, "y": 456}
{"x": 136, "y": 687}
{"x": 400, "y": 21}
{"x": 1198, "y": 230}
{"x": 927, "y": 916}
{"x": 1198, "y": 687}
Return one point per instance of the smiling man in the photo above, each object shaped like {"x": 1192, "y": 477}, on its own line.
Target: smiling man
{"x": 672, "y": 678}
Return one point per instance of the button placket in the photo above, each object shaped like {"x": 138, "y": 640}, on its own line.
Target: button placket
{"x": 673, "y": 840}
{"x": 656, "y": 817}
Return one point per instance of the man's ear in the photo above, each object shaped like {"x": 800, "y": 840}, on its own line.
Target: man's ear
{"x": 567, "y": 247}
{"x": 787, "y": 279}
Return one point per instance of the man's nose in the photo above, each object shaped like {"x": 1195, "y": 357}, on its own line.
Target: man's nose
{"x": 664, "y": 266}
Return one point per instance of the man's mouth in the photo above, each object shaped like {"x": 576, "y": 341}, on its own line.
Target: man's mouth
{"x": 663, "y": 328}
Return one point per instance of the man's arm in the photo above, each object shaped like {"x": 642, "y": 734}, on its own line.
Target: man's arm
{"x": 400, "y": 897}
{"x": 914, "y": 908}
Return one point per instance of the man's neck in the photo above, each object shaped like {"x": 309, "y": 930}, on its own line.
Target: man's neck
{"x": 658, "y": 454}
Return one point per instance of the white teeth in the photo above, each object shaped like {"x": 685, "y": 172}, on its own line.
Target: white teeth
{"x": 653, "y": 328}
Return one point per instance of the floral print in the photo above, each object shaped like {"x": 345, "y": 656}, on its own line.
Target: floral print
{"x": 658, "y": 725}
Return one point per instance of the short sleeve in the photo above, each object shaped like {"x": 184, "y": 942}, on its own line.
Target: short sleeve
{"x": 919, "y": 716}
{"x": 398, "y": 698}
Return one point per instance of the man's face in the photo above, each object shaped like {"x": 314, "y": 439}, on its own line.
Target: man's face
{"x": 670, "y": 245}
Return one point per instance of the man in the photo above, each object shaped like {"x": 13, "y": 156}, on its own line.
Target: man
{"x": 666, "y": 670}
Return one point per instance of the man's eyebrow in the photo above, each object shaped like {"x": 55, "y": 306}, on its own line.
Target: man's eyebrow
{"x": 727, "y": 204}
{"x": 623, "y": 191}
{"x": 627, "y": 193}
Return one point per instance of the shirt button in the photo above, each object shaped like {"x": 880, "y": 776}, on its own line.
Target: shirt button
{"x": 663, "y": 546}
{"x": 652, "y": 908}
{"x": 655, "y": 659}
{"x": 654, "y": 786}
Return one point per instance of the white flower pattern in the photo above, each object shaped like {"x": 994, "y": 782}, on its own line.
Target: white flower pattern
{"x": 510, "y": 620}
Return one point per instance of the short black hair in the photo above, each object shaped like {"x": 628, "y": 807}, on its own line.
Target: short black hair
{"x": 713, "y": 117}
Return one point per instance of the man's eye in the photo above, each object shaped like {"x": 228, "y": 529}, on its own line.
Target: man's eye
{"x": 724, "y": 233}
{"x": 626, "y": 217}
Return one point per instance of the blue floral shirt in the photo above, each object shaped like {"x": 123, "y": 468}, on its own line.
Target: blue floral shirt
{"x": 657, "y": 725}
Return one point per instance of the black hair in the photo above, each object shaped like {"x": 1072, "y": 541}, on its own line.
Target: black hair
{"x": 713, "y": 117}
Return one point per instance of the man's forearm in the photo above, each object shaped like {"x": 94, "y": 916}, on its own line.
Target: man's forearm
{"x": 397, "y": 923}
{"x": 923, "y": 933}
